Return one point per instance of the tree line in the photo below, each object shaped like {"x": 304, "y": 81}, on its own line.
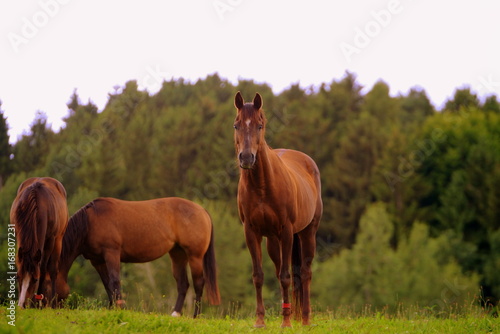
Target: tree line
{"x": 411, "y": 194}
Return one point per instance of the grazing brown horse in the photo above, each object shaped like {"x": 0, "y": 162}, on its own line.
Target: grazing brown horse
{"x": 108, "y": 231}
{"x": 40, "y": 215}
{"x": 279, "y": 197}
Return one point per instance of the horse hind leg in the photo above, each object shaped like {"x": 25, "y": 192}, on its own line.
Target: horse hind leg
{"x": 308, "y": 248}
{"x": 53, "y": 270}
{"x": 179, "y": 266}
{"x": 196, "y": 266}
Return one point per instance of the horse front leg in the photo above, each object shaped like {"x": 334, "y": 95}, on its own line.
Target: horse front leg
{"x": 113, "y": 267}
{"x": 285, "y": 278}
{"x": 109, "y": 270}
{"x": 253, "y": 241}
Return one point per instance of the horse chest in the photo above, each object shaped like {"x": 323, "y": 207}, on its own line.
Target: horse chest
{"x": 265, "y": 219}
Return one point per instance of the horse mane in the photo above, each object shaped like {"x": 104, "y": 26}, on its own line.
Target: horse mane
{"x": 76, "y": 232}
{"x": 26, "y": 217}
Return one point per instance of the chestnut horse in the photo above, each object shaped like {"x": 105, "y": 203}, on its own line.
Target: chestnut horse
{"x": 40, "y": 215}
{"x": 108, "y": 231}
{"x": 279, "y": 197}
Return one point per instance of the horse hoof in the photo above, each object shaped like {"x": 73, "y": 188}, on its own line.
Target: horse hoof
{"x": 259, "y": 324}
{"x": 176, "y": 314}
{"x": 120, "y": 303}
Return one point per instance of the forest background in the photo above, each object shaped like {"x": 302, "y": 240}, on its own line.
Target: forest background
{"x": 411, "y": 194}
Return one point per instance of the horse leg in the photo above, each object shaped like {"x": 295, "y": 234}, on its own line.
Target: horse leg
{"x": 254, "y": 246}
{"x": 179, "y": 263}
{"x": 103, "y": 273}
{"x": 113, "y": 266}
{"x": 285, "y": 278}
{"x": 47, "y": 267}
{"x": 308, "y": 243}
{"x": 109, "y": 270}
{"x": 274, "y": 251}
{"x": 53, "y": 270}
{"x": 196, "y": 266}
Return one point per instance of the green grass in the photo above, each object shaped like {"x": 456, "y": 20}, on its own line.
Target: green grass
{"x": 103, "y": 320}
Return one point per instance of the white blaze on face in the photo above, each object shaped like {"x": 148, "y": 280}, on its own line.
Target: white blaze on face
{"x": 247, "y": 122}
{"x": 24, "y": 289}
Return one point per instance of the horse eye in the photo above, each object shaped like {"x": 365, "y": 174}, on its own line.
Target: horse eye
{"x": 235, "y": 127}
{"x": 261, "y": 126}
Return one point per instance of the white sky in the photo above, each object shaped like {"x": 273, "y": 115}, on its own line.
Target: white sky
{"x": 50, "y": 47}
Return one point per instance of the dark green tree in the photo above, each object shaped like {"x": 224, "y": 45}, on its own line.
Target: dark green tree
{"x": 463, "y": 98}
{"x": 5, "y": 149}
{"x": 31, "y": 151}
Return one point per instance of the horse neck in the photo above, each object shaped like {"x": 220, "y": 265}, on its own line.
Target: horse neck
{"x": 262, "y": 170}
{"x": 72, "y": 245}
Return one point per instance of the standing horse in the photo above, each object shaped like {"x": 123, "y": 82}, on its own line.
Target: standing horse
{"x": 108, "y": 231}
{"x": 40, "y": 215}
{"x": 279, "y": 197}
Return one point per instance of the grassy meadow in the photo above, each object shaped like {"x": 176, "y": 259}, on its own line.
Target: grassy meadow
{"x": 98, "y": 319}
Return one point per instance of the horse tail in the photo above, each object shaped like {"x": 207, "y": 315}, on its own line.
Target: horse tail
{"x": 210, "y": 272}
{"x": 26, "y": 216}
{"x": 298, "y": 295}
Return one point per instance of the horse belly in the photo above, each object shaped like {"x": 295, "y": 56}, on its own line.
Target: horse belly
{"x": 147, "y": 248}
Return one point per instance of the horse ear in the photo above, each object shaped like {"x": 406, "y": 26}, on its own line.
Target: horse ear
{"x": 238, "y": 101}
{"x": 257, "y": 101}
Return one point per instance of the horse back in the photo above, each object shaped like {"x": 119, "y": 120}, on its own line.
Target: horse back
{"x": 44, "y": 197}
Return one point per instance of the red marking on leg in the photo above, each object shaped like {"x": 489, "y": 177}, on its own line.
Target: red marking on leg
{"x": 287, "y": 305}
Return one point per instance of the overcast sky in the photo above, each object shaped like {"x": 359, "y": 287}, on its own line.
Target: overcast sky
{"x": 51, "y": 47}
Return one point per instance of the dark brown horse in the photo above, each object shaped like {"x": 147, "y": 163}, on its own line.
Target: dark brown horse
{"x": 279, "y": 197}
{"x": 40, "y": 215}
{"x": 108, "y": 231}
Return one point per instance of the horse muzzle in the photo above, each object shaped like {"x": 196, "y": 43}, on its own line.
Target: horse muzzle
{"x": 247, "y": 159}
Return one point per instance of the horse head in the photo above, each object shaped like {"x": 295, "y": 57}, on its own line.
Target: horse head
{"x": 249, "y": 129}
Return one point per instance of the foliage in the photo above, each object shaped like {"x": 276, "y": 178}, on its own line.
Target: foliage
{"x": 372, "y": 273}
{"x": 411, "y": 196}
{"x": 5, "y": 149}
